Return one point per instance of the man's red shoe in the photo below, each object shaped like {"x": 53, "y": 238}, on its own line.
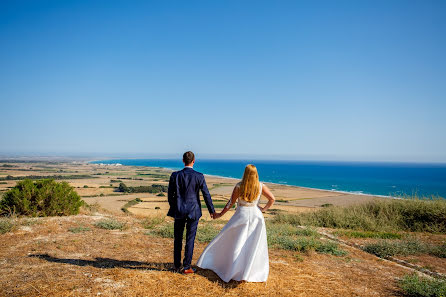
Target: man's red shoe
{"x": 189, "y": 271}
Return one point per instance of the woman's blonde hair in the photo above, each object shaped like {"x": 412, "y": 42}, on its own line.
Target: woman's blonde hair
{"x": 250, "y": 185}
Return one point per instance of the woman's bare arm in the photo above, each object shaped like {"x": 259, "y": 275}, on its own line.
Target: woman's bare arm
{"x": 267, "y": 193}
{"x": 234, "y": 196}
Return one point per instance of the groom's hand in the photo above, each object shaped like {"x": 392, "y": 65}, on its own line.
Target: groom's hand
{"x": 213, "y": 215}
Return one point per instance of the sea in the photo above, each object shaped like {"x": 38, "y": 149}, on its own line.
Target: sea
{"x": 381, "y": 179}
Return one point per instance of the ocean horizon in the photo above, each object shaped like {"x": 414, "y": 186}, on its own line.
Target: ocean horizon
{"x": 368, "y": 178}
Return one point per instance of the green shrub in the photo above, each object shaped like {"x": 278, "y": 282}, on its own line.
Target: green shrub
{"x": 370, "y": 234}
{"x": 41, "y": 198}
{"x": 275, "y": 231}
{"x": 155, "y": 188}
{"x": 207, "y": 232}
{"x": 123, "y": 188}
{"x": 386, "y": 248}
{"x": 410, "y": 246}
{"x": 301, "y": 244}
{"x": 415, "y": 286}
{"x": 439, "y": 251}
{"x": 288, "y": 237}
{"x": 130, "y": 204}
{"x": 151, "y": 222}
{"x": 30, "y": 222}
{"x": 79, "y": 229}
{"x": 413, "y": 215}
{"x": 110, "y": 224}
{"x": 6, "y": 225}
{"x": 282, "y": 200}
{"x": 331, "y": 248}
{"x": 307, "y": 232}
{"x": 165, "y": 231}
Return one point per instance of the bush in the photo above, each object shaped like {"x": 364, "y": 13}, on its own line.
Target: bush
{"x": 41, "y": 198}
{"x": 289, "y": 237}
{"x": 330, "y": 248}
{"x": 142, "y": 189}
{"x": 130, "y": 204}
{"x": 413, "y": 215}
{"x": 370, "y": 234}
{"x": 206, "y": 233}
{"x": 151, "y": 222}
{"x": 408, "y": 247}
{"x": 415, "y": 286}
{"x": 275, "y": 231}
{"x": 79, "y": 229}
{"x": 110, "y": 224}
{"x": 439, "y": 251}
{"x": 123, "y": 188}
{"x": 300, "y": 244}
{"x": 5, "y": 226}
{"x": 165, "y": 231}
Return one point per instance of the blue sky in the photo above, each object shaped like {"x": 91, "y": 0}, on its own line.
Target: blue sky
{"x": 333, "y": 80}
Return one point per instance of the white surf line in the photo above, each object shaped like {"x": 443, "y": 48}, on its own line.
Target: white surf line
{"x": 393, "y": 260}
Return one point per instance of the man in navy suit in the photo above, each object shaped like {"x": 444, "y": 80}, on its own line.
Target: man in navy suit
{"x": 185, "y": 207}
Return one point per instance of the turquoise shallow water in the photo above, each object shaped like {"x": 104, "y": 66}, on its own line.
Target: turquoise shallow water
{"x": 387, "y": 179}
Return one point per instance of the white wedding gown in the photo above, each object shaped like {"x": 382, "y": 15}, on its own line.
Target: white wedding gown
{"x": 240, "y": 250}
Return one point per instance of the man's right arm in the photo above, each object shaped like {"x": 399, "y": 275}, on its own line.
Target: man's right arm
{"x": 207, "y": 197}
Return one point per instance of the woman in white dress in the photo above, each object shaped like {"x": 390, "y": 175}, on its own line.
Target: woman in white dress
{"x": 240, "y": 251}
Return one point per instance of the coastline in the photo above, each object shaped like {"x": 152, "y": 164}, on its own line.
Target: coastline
{"x": 97, "y": 184}
{"x": 272, "y": 183}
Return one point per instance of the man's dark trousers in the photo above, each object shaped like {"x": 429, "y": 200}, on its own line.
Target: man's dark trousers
{"x": 191, "y": 231}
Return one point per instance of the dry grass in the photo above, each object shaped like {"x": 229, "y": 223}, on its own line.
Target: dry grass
{"x": 47, "y": 258}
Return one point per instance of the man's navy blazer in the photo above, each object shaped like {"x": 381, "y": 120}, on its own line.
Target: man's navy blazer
{"x": 184, "y": 194}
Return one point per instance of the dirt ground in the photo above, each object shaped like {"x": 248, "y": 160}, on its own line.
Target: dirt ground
{"x": 43, "y": 258}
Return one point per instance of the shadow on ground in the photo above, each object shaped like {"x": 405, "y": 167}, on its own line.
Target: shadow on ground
{"x": 107, "y": 263}
{"x": 113, "y": 263}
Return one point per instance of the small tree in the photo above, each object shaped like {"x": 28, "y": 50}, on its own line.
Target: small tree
{"x": 41, "y": 198}
{"x": 123, "y": 188}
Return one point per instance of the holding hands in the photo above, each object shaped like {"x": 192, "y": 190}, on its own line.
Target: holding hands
{"x": 215, "y": 215}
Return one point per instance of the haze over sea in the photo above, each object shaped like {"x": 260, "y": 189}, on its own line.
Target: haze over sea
{"x": 386, "y": 179}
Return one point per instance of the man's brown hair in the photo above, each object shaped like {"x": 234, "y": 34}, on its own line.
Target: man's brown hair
{"x": 188, "y": 157}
